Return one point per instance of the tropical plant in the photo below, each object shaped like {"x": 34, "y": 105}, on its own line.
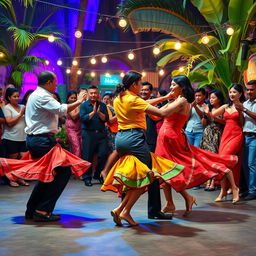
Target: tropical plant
{"x": 219, "y": 61}
{"x": 18, "y": 38}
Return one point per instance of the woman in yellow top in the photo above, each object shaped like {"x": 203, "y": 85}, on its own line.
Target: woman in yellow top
{"x": 137, "y": 166}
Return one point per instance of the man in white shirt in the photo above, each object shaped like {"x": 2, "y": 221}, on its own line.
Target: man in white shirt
{"x": 249, "y": 154}
{"x": 42, "y": 112}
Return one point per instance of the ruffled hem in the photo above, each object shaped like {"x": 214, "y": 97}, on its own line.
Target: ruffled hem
{"x": 130, "y": 173}
{"x": 43, "y": 168}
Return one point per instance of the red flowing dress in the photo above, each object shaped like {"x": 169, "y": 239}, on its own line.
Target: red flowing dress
{"x": 232, "y": 141}
{"x": 200, "y": 165}
{"x": 42, "y": 168}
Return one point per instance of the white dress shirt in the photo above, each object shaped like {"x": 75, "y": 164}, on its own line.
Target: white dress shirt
{"x": 42, "y": 112}
{"x": 249, "y": 122}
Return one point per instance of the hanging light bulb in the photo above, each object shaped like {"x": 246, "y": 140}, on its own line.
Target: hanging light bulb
{"x": 68, "y": 71}
{"x": 122, "y": 22}
{"x": 177, "y": 45}
{"x": 181, "y": 69}
{"x": 51, "y": 38}
{"x": 131, "y": 56}
{"x": 104, "y": 59}
{"x": 79, "y": 72}
{"x": 230, "y": 31}
{"x": 93, "y": 61}
{"x": 1, "y": 54}
{"x": 74, "y": 62}
{"x": 143, "y": 73}
{"x": 47, "y": 62}
{"x": 107, "y": 74}
{"x": 93, "y": 74}
{"x": 59, "y": 62}
{"x": 161, "y": 72}
{"x": 122, "y": 74}
{"x": 156, "y": 50}
{"x": 78, "y": 34}
{"x": 205, "y": 39}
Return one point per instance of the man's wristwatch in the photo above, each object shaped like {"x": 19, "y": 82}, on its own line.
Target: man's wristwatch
{"x": 244, "y": 110}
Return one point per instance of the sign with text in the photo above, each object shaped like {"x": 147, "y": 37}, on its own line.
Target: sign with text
{"x": 110, "y": 80}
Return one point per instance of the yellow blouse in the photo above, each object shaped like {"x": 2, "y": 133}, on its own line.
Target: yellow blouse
{"x": 130, "y": 111}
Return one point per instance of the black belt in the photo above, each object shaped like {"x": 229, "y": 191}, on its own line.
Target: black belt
{"x": 96, "y": 131}
{"x": 42, "y": 135}
{"x": 132, "y": 129}
{"x": 250, "y": 134}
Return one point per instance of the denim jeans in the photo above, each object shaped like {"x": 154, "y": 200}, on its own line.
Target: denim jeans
{"x": 249, "y": 163}
{"x": 194, "y": 138}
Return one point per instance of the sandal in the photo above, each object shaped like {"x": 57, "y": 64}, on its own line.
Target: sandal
{"x": 14, "y": 184}
{"x": 23, "y": 182}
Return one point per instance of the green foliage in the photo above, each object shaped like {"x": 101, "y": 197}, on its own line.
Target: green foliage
{"x": 217, "y": 63}
{"x": 62, "y": 138}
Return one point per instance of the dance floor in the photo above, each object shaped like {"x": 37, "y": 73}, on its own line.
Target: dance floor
{"x": 86, "y": 227}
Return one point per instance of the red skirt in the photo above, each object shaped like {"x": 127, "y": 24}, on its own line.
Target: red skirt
{"x": 42, "y": 168}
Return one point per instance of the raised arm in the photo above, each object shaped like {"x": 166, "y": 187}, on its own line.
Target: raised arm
{"x": 168, "y": 109}
{"x": 217, "y": 112}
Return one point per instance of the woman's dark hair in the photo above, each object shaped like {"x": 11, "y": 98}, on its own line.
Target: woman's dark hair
{"x": 25, "y": 97}
{"x": 71, "y": 92}
{"x": 162, "y": 92}
{"x": 240, "y": 89}
{"x": 185, "y": 84}
{"x": 129, "y": 78}
{"x": 57, "y": 96}
{"x": 9, "y": 92}
{"x": 219, "y": 95}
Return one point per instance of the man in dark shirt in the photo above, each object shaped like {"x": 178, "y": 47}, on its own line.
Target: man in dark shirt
{"x": 154, "y": 200}
{"x": 94, "y": 114}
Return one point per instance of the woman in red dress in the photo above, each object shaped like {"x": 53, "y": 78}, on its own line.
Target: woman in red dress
{"x": 232, "y": 138}
{"x": 200, "y": 165}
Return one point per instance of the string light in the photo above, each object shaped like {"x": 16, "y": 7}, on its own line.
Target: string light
{"x": 131, "y": 56}
{"x": 51, "y": 38}
{"x": 143, "y": 73}
{"x": 230, "y": 31}
{"x": 181, "y": 69}
{"x": 122, "y": 74}
{"x": 107, "y": 74}
{"x": 122, "y": 22}
{"x": 93, "y": 61}
{"x": 205, "y": 39}
{"x": 47, "y": 62}
{"x": 79, "y": 72}
{"x": 93, "y": 74}
{"x": 74, "y": 62}
{"x": 1, "y": 54}
{"x": 68, "y": 71}
{"x": 104, "y": 59}
{"x": 78, "y": 34}
{"x": 156, "y": 50}
{"x": 177, "y": 45}
{"x": 161, "y": 72}
{"x": 59, "y": 62}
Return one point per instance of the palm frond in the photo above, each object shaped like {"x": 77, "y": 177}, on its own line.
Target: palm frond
{"x": 17, "y": 77}
{"x": 5, "y": 21}
{"x": 21, "y": 37}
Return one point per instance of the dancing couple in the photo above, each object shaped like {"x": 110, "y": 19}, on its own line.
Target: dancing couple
{"x": 176, "y": 164}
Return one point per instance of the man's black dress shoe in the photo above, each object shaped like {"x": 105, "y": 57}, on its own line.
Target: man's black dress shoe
{"x": 160, "y": 216}
{"x": 29, "y": 215}
{"x": 45, "y": 217}
{"x": 250, "y": 197}
{"x": 100, "y": 179}
{"x": 243, "y": 194}
{"x": 87, "y": 183}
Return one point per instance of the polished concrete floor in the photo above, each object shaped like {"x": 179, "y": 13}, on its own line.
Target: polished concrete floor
{"x": 86, "y": 227}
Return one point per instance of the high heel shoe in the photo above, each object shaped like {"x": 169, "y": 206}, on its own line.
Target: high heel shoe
{"x": 116, "y": 218}
{"x": 221, "y": 197}
{"x": 189, "y": 206}
{"x": 168, "y": 209}
{"x": 130, "y": 221}
{"x": 235, "y": 196}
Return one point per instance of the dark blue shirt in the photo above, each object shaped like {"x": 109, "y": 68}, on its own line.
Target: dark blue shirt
{"x": 95, "y": 123}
